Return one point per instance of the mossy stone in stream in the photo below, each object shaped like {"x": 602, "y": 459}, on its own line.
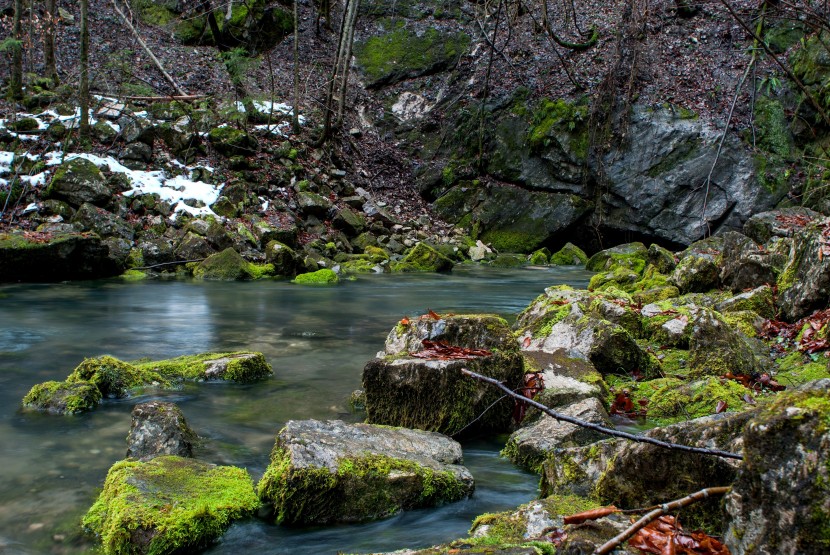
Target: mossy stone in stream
{"x": 113, "y": 377}
{"x": 320, "y": 277}
{"x": 168, "y": 505}
{"x": 63, "y": 397}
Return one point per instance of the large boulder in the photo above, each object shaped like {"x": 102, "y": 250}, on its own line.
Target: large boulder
{"x": 102, "y": 222}
{"x": 168, "y": 505}
{"x": 716, "y": 348}
{"x": 227, "y": 265}
{"x": 79, "y": 181}
{"x": 44, "y": 256}
{"x": 431, "y": 393}
{"x": 159, "y": 428}
{"x": 780, "y": 501}
{"x": 633, "y": 474}
{"x": 745, "y": 265}
{"x": 423, "y": 258}
{"x": 804, "y": 284}
{"x": 324, "y": 472}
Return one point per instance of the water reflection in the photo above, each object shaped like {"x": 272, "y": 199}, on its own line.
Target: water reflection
{"x": 317, "y": 340}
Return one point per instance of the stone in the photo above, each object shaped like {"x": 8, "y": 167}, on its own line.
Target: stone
{"x": 285, "y": 260}
{"x": 529, "y": 446}
{"x": 62, "y": 397}
{"x": 136, "y": 129}
{"x": 804, "y": 284}
{"x": 105, "y": 224}
{"x": 696, "y": 274}
{"x": 778, "y": 223}
{"x": 103, "y": 132}
{"x": 662, "y": 259}
{"x": 631, "y": 256}
{"x": 229, "y": 141}
{"x": 780, "y": 501}
{"x": 241, "y": 367}
{"x": 79, "y": 181}
{"x": 227, "y": 265}
{"x": 54, "y": 257}
{"x": 323, "y": 276}
{"x": 432, "y": 394}
{"x": 193, "y": 247}
{"x": 168, "y": 505}
{"x": 569, "y": 255}
{"x": 635, "y": 474}
{"x": 155, "y": 251}
{"x": 137, "y": 152}
{"x": 479, "y": 252}
{"x": 349, "y": 221}
{"x": 159, "y": 428}
{"x": 313, "y": 204}
{"x": 716, "y": 348}
{"x": 744, "y": 265}
{"x": 423, "y": 258}
{"x": 760, "y": 300}
{"x": 326, "y": 472}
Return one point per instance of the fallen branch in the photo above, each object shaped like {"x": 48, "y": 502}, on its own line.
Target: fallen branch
{"x": 602, "y": 429}
{"x": 146, "y": 48}
{"x": 182, "y": 98}
{"x": 617, "y": 540}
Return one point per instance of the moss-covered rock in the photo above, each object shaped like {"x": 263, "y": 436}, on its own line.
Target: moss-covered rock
{"x": 696, "y": 273}
{"x": 230, "y": 141}
{"x": 716, "y": 348}
{"x": 47, "y": 257}
{"x": 324, "y": 472}
{"x": 168, "y": 505}
{"x": 285, "y": 260}
{"x": 241, "y": 366}
{"x": 227, "y": 265}
{"x": 113, "y": 377}
{"x": 63, "y": 397}
{"x": 569, "y": 255}
{"x": 404, "y": 53}
{"x": 423, "y": 258}
{"x": 79, "y": 181}
{"x": 323, "y": 276}
{"x": 630, "y": 255}
{"x": 432, "y": 394}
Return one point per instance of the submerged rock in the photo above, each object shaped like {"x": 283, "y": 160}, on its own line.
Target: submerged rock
{"x": 63, "y": 397}
{"x": 324, "y": 472}
{"x": 168, "y": 505}
{"x": 432, "y": 394}
{"x": 159, "y": 428}
{"x": 780, "y": 502}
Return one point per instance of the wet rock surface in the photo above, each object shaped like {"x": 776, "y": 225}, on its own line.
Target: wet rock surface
{"x": 159, "y": 428}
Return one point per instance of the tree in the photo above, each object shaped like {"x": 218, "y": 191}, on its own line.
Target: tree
{"x": 49, "y": 40}
{"x": 16, "y": 44}
{"x": 84, "y": 87}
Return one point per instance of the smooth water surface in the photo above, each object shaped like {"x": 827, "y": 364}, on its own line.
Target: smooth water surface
{"x": 317, "y": 340}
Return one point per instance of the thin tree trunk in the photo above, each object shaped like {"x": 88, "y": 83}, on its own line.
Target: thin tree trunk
{"x": 330, "y": 94}
{"x": 16, "y": 85}
{"x": 84, "y": 124}
{"x": 295, "y": 116}
{"x": 347, "y": 57}
{"x": 49, "y": 41}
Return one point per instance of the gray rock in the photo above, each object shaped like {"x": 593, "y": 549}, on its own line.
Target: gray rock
{"x": 778, "y": 223}
{"x": 745, "y": 265}
{"x": 804, "y": 285}
{"x": 159, "y": 428}
{"x": 779, "y": 502}
{"x": 760, "y": 300}
{"x": 134, "y": 129}
{"x": 529, "y": 446}
{"x": 138, "y": 152}
{"x": 696, "y": 273}
{"x": 432, "y": 394}
{"x": 314, "y": 204}
{"x": 105, "y": 224}
{"x": 285, "y": 260}
{"x": 193, "y": 247}
{"x": 349, "y": 221}
{"x": 79, "y": 181}
{"x": 324, "y": 472}
{"x": 156, "y": 250}
{"x": 716, "y": 348}
{"x": 64, "y": 255}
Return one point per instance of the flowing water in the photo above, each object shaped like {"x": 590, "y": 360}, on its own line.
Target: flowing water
{"x": 317, "y": 340}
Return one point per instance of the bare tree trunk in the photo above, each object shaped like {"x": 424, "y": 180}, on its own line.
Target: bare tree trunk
{"x": 84, "y": 124}
{"x": 295, "y": 117}
{"x": 49, "y": 41}
{"x": 347, "y": 57}
{"x": 331, "y": 88}
{"x": 16, "y": 85}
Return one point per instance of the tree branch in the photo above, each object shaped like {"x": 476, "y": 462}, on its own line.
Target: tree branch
{"x": 616, "y": 541}
{"x": 602, "y": 429}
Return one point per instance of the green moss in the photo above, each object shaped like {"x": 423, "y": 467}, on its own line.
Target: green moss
{"x": 404, "y": 53}
{"x": 569, "y": 255}
{"x": 320, "y": 277}
{"x": 228, "y": 265}
{"x": 192, "y": 367}
{"x": 743, "y": 321}
{"x": 23, "y": 124}
{"x": 423, "y": 258}
{"x": 508, "y": 240}
{"x": 113, "y": 377}
{"x": 168, "y": 505}
{"x": 543, "y": 326}
{"x": 559, "y": 119}
{"x": 772, "y": 128}
{"x": 631, "y": 255}
{"x": 671, "y": 399}
{"x": 359, "y": 489}
{"x": 133, "y": 275}
{"x": 63, "y": 397}
{"x": 259, "y": 271}
{"x": 539, "y": 258}
{"x": 797, "y": 368}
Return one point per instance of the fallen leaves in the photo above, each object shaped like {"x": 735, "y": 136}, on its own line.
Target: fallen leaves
{"x": 665, "y": 536}
{"x": 533, "y": 383}
{"x": 808, "y": 334}
{"x": 756, "y": 382}
{"x": 440, "y": 350}
{"x": 624, "y": 406}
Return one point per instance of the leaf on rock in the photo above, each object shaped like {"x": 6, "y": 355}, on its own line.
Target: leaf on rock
{"x": 593, "y": 514}
{"x": 439, "y": 350}
{"x": 665, "y": 536}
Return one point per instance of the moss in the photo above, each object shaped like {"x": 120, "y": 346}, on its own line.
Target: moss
{"x": 423, "y": 258}
{"x": 631, "y": 255}
{"x": 227, "y": 265}
{"x": 259, "y": 271}
{"x": 133, "y": 275}
{"x": 772, "y": 128}
{"x": 23, "y": 124}
{"x": 192, "y": 367}
{"x": 507, "y": 240}
{"x": 671, "y": 399}
{"x": 320, "y": 277}
{"x": 113, "y": 377}
{"x": 168, "y": 505}
{"x": 543, "y": 326}
{"x": 797, "y": 368}
{"x": 743, "y": 321}
{"x": 63, "y": 397}
{"x": 404, "y": 53}
{"x": 569, "y": 255}
{"x": 788, "y": 275}
{"x": 361, "y": 488}
{"x": 358, "y": 266}
{"x": 560, "y": 119}
{"x": 539, "y": 258}
{"x": 676, "y": 156}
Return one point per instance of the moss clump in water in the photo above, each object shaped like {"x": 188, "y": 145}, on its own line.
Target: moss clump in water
{"x": 63, "y": 397}
{"x": 320, "y": 277}
{"x": 113, "y": 377}
{"x": 168, "y": 505}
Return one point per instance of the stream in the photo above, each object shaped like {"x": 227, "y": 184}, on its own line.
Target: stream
{"x": 317, "y": 340}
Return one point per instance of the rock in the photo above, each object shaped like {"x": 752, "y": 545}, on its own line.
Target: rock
{"x": 349, "y": 221}
{"x": 779, "y": 223}
{"x": 156, "y": 250}
{"x": 168, "y": 505}
{"x": 423, "y": 258}
{"x": 760, "y": 300}
{"x": 717, "y": 348}
{"x": 229, "y": 141}
{"x": 193, "y": 247}
{"x": 746, "y": 266}
{"x": 137, "y": 129}
{"x": 662, "y": 259}
{"x": 227, "y": 265}
{"x": 432, "y": 394}
{"x": 105, "y": 224}
{"x": 119, "y": 250}
{"x": 631, "y": 256}
{"x": 241, "y": 367}
{"x": 325, "y": 472}
{"x": 62, "y": 397}
{"x": 103, "y": 132}
{"x": 569, "y": 255}
{"x": 137, "y": 152}
{"x": 633, "y": 474}
{"x": 313, "y": 204}
{"x": 285, "y": 260}
{"x": 54, "y": 257}
{"x": 480, "y": 251}
{"x": 113, "y": 377}
{"x": 529, "y": 446}
{"x": 159, "y": 428}
{"x": 696, "y": 273}
{"x": 779, "y": 502}
{"x": 79, "y": 181}
{"x": 804, "y": 284}
{"x": 323, "y": 276}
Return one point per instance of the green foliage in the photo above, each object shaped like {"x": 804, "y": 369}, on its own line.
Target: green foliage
{"x": 563, "y": 121}
{"x": 320, "y": 277}
{"x": 237, "y": 62}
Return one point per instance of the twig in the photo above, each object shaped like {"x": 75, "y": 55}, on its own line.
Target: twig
{"x": 616, "y": 541}
{"x": 183, "y": 98}
{"x": 601, "y": 429}
{"x": 146, "y": 48}
{"x": 168, "y": 264}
